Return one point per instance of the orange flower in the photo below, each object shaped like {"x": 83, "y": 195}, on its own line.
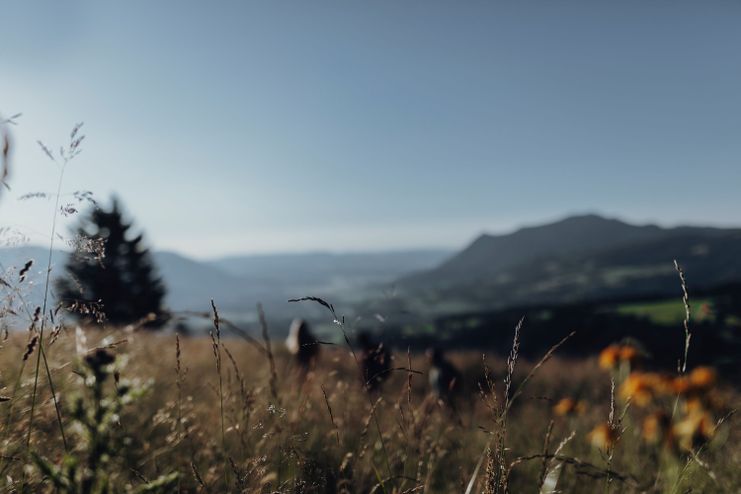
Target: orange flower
{"x": 702, "y": 378}
{"x": 661, "y": 384}
{"x": 638, "y": 387}
{"x": 656, "y": 427}
{"x": 694, "y": 405}
{"x": 568, "y": 406}
{"x": 680, "y": 385}
{"x": 609, "y": 357}
{"x": 603, "y": 437}
{"x": 694, "y": 429}
{"x": 628, "y": 353}
{"x": 613, "y": 355}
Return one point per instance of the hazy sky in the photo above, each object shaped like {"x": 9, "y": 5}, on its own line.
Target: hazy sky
{"x": 241, "y": 127}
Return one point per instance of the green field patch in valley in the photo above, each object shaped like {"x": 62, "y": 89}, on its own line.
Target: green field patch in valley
{"x": 667, "y": 312}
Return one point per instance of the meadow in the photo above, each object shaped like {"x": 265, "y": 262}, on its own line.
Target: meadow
{"x": 137, "y": 411}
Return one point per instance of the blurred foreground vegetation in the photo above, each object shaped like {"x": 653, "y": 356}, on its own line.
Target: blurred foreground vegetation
{"x": 159, "y": 413}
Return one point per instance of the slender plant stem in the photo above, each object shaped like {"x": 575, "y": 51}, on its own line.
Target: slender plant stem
{"x": 687, "y": 315}
{"x": 216, "y": 340}
{"x": 41, "y": 354}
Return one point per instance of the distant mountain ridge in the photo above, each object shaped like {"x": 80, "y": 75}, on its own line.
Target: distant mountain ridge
{"x": 238, "y": 283}
{"x": 578, "y": 258}
{"x": 321, "y": 268}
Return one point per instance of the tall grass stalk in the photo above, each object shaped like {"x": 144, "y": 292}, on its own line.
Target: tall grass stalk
{"x": 73, "y": 150}
{"x": 520, "y": 387}
{"x": 496, "y": 481}
{"x": 687, "y": 314}
{"x": 682, "y": 362}
{"x": 216, "y": 342}
{"x": 497, "y": 474}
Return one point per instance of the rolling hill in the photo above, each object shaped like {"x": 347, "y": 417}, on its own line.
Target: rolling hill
{"x": 579, "y": 258}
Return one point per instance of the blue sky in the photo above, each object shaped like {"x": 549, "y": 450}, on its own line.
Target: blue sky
{"x": 231, "y": 127}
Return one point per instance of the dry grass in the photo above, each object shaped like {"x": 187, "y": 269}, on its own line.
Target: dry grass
{"x": 319, "y": 436}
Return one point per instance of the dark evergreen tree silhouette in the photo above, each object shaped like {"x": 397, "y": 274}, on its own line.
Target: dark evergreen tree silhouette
{"x": 112, "y": 273}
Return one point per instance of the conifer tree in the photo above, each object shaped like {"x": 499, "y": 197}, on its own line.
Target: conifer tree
{"x": 119, "y": 279}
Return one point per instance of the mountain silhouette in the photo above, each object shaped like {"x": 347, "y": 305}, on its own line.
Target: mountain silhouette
{"x": 579, "y": 258}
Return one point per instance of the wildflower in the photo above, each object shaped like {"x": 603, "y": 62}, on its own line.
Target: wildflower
{"x": 694, "y": 430}
{"x": 603, "y": 437}
{"x": 628, "y": 353}
{"x": 656, "y": 426}
{"x": 638, "y": 388}
{"x": 609, "y": 357}
{"x": 568, "y": 406}
{"x": 694, "y": 405}
{"x": 680, "y": 385}
{"x": 614, "y": 355}
{"x": 661, "y": 384}
{"x": 702, "y": 378}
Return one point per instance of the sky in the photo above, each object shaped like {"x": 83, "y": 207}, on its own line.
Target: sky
{"x": 240, "y": 127}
